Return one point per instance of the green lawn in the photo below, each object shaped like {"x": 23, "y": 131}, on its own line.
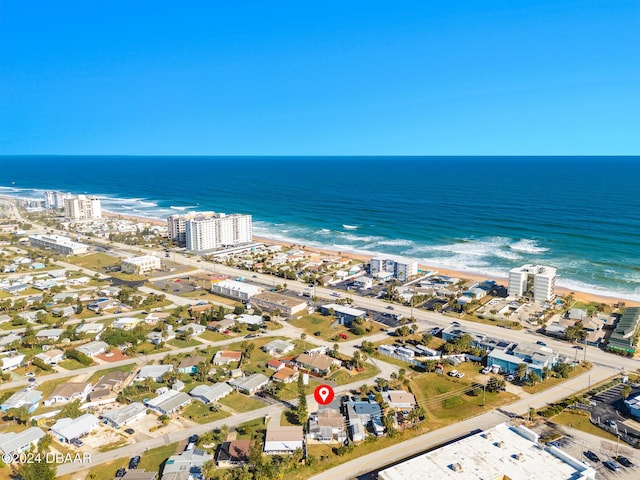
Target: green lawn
{"x": 342, "y": 376}
{"x": 200, "y": 413}
{"x": 242, "y": 403}
{"x": 47, "y": 387}
{"x": 554, "y": 380}
{"x": 149, "y": 348}
{"x": 252, "y": 430}
{"x": 213, "y": 336}
{"x": 581, "y": 422}
{"x": 319, "y": 323}
{"x": 290, "y": 390}
{"x": 71, "y": 364}
{"x": 129, "y": 367}
{"x": 210, "y": 296}
{"x": 190, "y": 342}
{"x": 94, "y": 261}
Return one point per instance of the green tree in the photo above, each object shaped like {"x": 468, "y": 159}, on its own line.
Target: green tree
{"x": 37, "y": 470}
{"x": 79, "y": 306}
{"x": 625, "y": 392}
{"x": 70, "y": 410}
{"x": 301, "y": 411}
{"x": 521, "y": 371}
{"x": 534, "y": 377}
{"x": 495, "y": 384}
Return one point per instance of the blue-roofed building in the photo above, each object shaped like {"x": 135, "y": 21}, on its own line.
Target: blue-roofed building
{"x": 367, "y": 414}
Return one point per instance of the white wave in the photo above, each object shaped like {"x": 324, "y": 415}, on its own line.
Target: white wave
{"x": 578, "y": 286}
{"x": 325, "y": 230}
{"x": 479, "y": 248}
{"x": 172, "y": 207}
{"x": 396, "y": 243}
{"x": 360, "y": 238}
{"x": 350, "y": 227}
{"x": 149, "y": 204}
{"x": 527, "y": 246}
{"x": 126, "y": 207}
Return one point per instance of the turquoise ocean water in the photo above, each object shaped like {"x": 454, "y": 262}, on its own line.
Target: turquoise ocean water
{"x": 476, "y": 214}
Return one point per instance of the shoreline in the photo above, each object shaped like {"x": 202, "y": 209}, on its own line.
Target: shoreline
{"x": 582, "y": 296}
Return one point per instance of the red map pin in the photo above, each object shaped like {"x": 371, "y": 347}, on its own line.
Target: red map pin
{"x": 324, "y": 394}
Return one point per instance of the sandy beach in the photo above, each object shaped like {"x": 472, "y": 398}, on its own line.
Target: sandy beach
{"x": 580, "y": 296}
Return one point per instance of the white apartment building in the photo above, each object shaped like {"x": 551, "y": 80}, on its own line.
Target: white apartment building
{"x": 535, "y": 280}
{"x": 58, "y": 243}
{"x": 54, "y": 200}
{"x": 401, "y": 269}
{"x": 141, "y": 265}
{"x": 201, "y": 231}
{"x": 177, "y": 225}
{"x": 82, "y": 207}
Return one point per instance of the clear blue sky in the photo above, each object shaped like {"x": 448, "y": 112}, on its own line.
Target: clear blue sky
{"x": 270, "y": 77}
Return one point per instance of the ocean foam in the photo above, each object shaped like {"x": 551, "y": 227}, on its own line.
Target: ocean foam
{"x": 528, "y": 246}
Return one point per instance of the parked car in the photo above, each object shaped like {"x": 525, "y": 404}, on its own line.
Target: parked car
{"x": 485, "y": 370}
{"x": 390, "y": 307}
{"x": 611, "y": 465}
{"x": 134, "y": 462}
{"x": 624, "y": 461}
{"x": 130, "y": 431}
{"x": 540, "y": 342}
{"x": 553, "y": 444}
{"x": 194, "y": 439}
{"x": 317, "y": 334}
{"x": 591, "y": 456}
{"x": 459, "y": 375}
{"x": 77, "y": 442}
{"x": 120, "y": 473}
{"x": 30, "y": 374}
{"x": 453, "y": 373}
{"x": 509, "y": 378}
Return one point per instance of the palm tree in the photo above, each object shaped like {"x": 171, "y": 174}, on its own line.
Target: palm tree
{"x": 625, "y": 392}
{"x": 303, "y": 337}
{"x": 521, "y": 371}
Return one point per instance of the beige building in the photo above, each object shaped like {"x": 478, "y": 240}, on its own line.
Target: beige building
{"x": 271, "y": 301}
{"x": 82, "y": 207}
{"x": 141, "y": 265}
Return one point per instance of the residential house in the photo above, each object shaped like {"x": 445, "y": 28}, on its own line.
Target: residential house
{"x": 68, "y": 429}
{"x": 122, "y": 416}
{"x": 319, "y": 364}
{"x": 278, "y": 347}
{"x": 154, "y": 372}
{"x": 125, "y": 323}
{"x": 139, "y": 474}
{"x": 12, "y": 443}
{"x": 362, "y": 414}
{"x": 190, "y": 364}
{"x": 49, "y": 334}
{"x": 94, "y": 348}
{"x": 250, "y": 384}
{"x": 249, "y": 319}
{"x": 5, "y": 318}
{"x": 275, "y": 364}
{"x": 169, "y": 402}
{"x": 186, "y": 466}
{"x": 11, "y": 363}
{"x": 69, "y": 392}
{"x": 327, "y": 426}
{"x": 399, "y": 399}
{"x": 51, "y": 357}
{"x": 225, "y": 357}
{"x": 210, "y": 393}
{"x": 155, "y": 317}
{"x": 157, "y": 338}
{"x": 281, "y": 440}
{"x": 191, "y": 329}
{"x": 110, "y": 291}
{"x": 285, "y": 375}
{"x": 108, "y": 385}
{"x": 233, "y": 454}
{"x": 8, "y": 340}
{"x": 22, "y": 398}
{"x": 89, "y": 328}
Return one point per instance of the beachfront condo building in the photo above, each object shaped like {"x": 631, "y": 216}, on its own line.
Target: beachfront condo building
{"x": 82, "y": 207}
{"x": 533, "y": 281}
{"x": 201, "y": 232}
{"x": 58, "y": 244}
{"x": 401, "y": 269}
{"x": 55, "y": 200}
{"x": 141, "y": 265}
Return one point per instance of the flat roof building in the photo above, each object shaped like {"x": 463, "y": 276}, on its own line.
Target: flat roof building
{"x": 271, "y": 302}
{"x": 58, "y": 244}
{"x": 12, "y": 442}
{"x": 624, "y": 335}
{"x": 82, "y": 207}
{"x": 237, "y": 290}
{"x": 169, "y": 402}
{"x": 536, "y": 281}
{"x": 498, "y": 453}
{"x": 141, "y": 265}
{"x": 120, "y": 417}
{"x": 283, "y": 440}
{"x": 68, "y": 429}
{"x": 250, "y": 384}
{"x": 345, "y": 315}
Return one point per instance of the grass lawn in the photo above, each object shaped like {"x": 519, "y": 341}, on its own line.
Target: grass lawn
{"x": 552, "y": 381}
{"x": 146, "y": 348}
{"x": 582, "y": 423}
{"x": 342, "y": 376}
{"x": 319, "y": 323}
{"x": 47, "y": 387}
{"x": 190, "y": 342}
{"x": 252, "y": 430}
{"x": 210, "y": 296}
{"x": 290, "y": 390}
{"x": 213, "y": 336}
{"x": 241, "y": 403}
{"x": 122, "y": 368}
{"x": 71, "y": 364}
{"x": 94, "y": 261}
{"x": 448, "y": 400}
{"x": 200, "y": 413}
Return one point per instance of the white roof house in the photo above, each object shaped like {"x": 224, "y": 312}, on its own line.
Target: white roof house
{"x": 126, "y": 323}
{"x": 12, "y": 442}
{"x": 153, "y": 371}
{"x": 9, "y": 339}
{"x": 90, "y": 328}
{"x": 250, "y": 384}
{"x": 280, "y": 347}
{"x": 28, "y": 398}
{"x": 500, "y": 452}
{"x": 169, "y": 402}
{"x": 192, "y": 329}
{"x": 67, "y": 429}
{"x": 11, "y": 363}
{"x": 92, "y": 349}
{"x": 49, "y": 333}
{"x": 282, "y": 440}
{"x": 187, "y": 465}
{"x": 211, "y": 393}
{"x": 125, "y": 415}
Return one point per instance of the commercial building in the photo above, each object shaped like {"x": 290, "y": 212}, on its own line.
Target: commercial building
{"x": 272, "y": 302}
{"x": 13, "y": 443}
{"x": 535, "y": 281}
{"x": 68, "y": 429}
{"x": 624, "y": 335}
{"x": 236, "y": 290}
{"x": 82, "y": 207}
{"x": 499, "y": 453}
{"x": 400, "y": 268}
{"x": 345, "y": 315}
{"x": 141, "y": 265}
{"x": 58, "y": 244}
{"x": 633, "y": 404}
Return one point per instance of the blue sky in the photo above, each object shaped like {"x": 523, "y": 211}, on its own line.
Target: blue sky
{"x": 320, "y": 77}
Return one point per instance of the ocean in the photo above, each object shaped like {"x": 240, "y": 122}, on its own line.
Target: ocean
{"x": 476, "y": 214}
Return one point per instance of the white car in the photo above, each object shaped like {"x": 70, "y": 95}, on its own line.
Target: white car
{"x": 453, "y": 373}
{"x": 29, "y": 374}
{"x": 485, "y": 370}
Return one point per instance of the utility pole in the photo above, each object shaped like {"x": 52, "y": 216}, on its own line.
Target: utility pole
{"x": 617, "y": 445}
{"x": 484, "y": 394}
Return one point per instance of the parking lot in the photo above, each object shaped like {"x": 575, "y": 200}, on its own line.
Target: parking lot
{"x": 576, "y": 442}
